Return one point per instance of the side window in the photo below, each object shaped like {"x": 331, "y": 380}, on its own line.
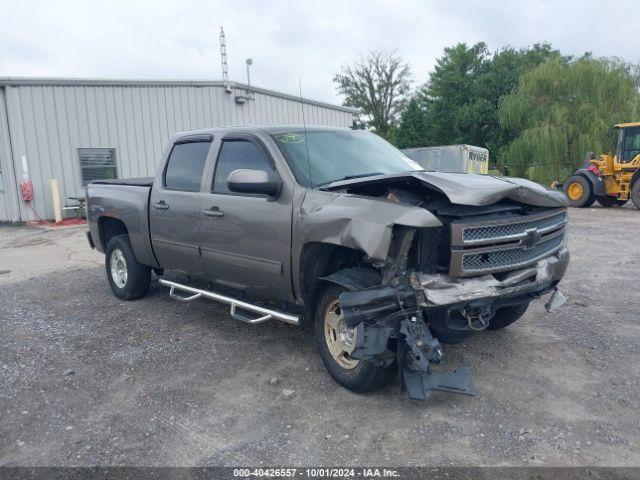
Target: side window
{"x": 235, "y": 154}
{"x": 185, "y": 166}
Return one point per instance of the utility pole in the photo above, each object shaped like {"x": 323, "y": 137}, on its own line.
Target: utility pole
{"x": 249, "y": 62}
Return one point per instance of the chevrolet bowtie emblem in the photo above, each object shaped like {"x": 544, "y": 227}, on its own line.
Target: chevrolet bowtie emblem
{"x": 531, "y": 239}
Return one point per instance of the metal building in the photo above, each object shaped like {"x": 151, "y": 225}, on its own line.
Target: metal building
{"x": 79, "y": 130}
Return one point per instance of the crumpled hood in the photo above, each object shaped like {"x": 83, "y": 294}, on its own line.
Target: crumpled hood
{"x": 473, "y": 189}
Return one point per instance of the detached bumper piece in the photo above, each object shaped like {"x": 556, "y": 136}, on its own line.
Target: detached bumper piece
{"x": 387, "y": 316}
{"x": 419, "y": 385}
{"x": 421, "y": 351}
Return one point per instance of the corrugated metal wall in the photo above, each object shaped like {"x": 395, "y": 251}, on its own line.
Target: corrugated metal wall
{"x": 48, "y": 123}
{"x": 9, "y": 206}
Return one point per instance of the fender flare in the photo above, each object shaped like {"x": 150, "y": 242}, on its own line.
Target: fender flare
{"x": 355, "y": 279}
{"x": 597, "y": 183}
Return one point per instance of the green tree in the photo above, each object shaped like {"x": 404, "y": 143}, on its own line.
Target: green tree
{"x": 562, "y": 109}
{"x": 501, "y": 78}
{"x": 413, "y": 129}
{"x": 459, "y": 102}
{"x": 378, "y": 85}
{"x": 454, "y": 110}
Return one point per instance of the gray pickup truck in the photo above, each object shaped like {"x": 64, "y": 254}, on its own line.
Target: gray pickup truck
{"x": 342, "y": 232}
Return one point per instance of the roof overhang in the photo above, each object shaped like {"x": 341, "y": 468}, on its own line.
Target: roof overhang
{"x": 102, "y": 82}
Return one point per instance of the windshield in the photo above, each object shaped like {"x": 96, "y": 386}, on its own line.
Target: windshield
{"x": 320, "y": 157}
{"x": 631, "y": 147}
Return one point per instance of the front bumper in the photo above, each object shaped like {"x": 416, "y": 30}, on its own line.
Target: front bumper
{"x": 390, "y": 321}
{"x": 438, "y": 290}
{"x": 435, "y": 294}
{"x": 466, "y": 304}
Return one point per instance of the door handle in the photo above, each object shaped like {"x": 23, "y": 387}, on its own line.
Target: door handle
{"x": 213, "y": 212}
{"x": 161, "y": 205}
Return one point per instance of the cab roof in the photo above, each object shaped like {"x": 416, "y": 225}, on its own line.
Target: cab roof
{"x": 266, "y": 128}
{"x": 629, "y": 124}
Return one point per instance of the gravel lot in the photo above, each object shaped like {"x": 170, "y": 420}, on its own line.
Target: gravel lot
{"x": 86, "y": 379}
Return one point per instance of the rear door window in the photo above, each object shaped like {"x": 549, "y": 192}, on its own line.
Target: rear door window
{"x": 185, "y": 166}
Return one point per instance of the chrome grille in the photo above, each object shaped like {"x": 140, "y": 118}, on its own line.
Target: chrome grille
{"x": 506, "y": 231}
{"x": 506, "y": 242}
{"x": 512, "y": 257}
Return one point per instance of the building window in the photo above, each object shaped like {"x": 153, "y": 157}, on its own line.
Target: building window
{"x": 97, "y": 164}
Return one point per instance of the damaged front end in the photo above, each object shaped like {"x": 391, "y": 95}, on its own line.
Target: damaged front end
{"x": 451, "y": 277}
{"x": 416, "y": 349}
{"x": 389, "y": 326}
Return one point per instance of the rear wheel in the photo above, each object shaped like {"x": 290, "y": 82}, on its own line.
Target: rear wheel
{"x": 505, "y": 316}
{"x": 635, "y": 194}
{"x": 335, "y": 341}
{"x": 128, "y": 279}
{"x": 578, "y": 191}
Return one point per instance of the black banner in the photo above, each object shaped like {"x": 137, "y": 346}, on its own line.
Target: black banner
{"x": 364, "y": 473}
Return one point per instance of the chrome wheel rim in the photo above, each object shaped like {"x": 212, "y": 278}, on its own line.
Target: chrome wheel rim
{"x": 118, "y": 268}
{"x": 340, "y": 339}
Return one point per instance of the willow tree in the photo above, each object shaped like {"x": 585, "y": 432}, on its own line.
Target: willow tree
{"x": 459, "y": 102}
{"x": 562, "y": 109}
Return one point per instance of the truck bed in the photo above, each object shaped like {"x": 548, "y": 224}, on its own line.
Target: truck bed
{"x": 125, "y": 200}
{"x": 136, "y": 182}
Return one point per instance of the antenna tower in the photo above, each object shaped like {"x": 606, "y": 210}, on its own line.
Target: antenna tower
{"x": 223, "y": 59}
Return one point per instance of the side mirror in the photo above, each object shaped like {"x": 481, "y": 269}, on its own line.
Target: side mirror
{"x": 253, "y": 181}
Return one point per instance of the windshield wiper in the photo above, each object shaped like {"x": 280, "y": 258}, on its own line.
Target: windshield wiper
{"x": 350, "y": 177}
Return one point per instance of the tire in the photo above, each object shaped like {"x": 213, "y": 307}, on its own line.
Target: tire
{"x": 635, "y": 194}
{"x": 578, "y": 191}
{"x": 129, "y": 280}
{"x": 609, "y": 201}
{"x": 505, "y": 316}
{"x": 450, "y": 336}
{"x": 355, "y": 375}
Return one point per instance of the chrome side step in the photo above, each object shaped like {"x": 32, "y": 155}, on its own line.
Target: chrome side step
{"x": 196, "y": 293}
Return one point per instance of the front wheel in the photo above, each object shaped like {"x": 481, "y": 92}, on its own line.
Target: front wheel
{"x": 128, "y": 279}
{"x": 578, "y": 191}
{"x": 335, "y": 341}
{"x": 505, "y": 316}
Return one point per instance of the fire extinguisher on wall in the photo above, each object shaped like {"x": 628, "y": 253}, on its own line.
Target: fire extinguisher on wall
{"x": 26, "y": 190}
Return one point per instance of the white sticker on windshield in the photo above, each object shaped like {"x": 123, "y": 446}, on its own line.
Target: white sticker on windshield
{"x": 412, "y": 164}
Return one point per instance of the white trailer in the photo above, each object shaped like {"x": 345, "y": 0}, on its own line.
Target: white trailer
{"x": 451, "y": 158}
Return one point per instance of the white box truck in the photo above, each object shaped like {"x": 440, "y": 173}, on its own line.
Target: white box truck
{"x": 451, "y": 158}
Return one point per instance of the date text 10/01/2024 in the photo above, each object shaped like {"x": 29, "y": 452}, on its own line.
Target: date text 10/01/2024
{"x": 316, "y": 472}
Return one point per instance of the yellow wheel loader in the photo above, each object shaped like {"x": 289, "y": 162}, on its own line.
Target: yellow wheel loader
{"x": 611, "y": 179}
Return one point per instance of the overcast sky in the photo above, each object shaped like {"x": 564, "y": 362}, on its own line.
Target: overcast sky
{"x": 169, "y": 39}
